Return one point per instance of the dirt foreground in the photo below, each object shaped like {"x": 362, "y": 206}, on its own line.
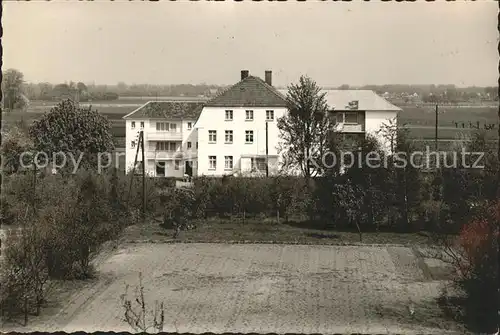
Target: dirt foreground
{"x": 263, "y": 288}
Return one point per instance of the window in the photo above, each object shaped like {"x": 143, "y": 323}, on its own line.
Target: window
{"x": 249, "y": 115}
{"x": 229, "y": 136}
{"x": 190, "y": 125}
{"x": 212, "y": 136}
{"x": 269, "y": 115}
{"x": 162, "y": 126}
{"x": 176, "y": 164}
{"x": 189, "y": 145}
{"x": 249, "y": 136}
{"x": 229, "y": 115}
{"x": 212, "y": 162}
{"x": 167, "y": 146}
{"x": 258, "y": 164}
{"x": 142, "y": 124}
{"x": 228, "y": 162}
{"x": 350, "y": 117}
{"x": 132, "y": 125}
{"x": 162, "y": 146}
{"x": 132, "y": 144}
{"x": 173, "y": 127}
{"x": 196, "y": 145}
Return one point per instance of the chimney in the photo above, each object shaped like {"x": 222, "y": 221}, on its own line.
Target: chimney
{"x": 244, "y": 74}
{"x": 269, "y": 78}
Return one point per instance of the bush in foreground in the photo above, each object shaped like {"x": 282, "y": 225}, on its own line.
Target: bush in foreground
{"x": 24, "y": 273}
{"x": 478, "y": 268}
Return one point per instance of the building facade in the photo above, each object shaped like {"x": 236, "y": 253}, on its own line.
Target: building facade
{"x": 170, "y": 140}
{"x": 359, "y": 113}
{"x": 232, "y": 133}
{"x": 236, "y": 132}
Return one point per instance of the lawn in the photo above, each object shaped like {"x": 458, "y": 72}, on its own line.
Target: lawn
{"x": 265, "y": 231}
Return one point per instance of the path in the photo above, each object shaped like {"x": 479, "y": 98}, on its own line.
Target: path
{"x": 264, "y": 288}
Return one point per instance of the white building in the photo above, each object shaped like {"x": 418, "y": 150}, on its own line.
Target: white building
{"x": 357, "y": 113}
{"x": 227, "y": 134}
{"x": 232, "y": 128}
{"x": 224, "y": 136}
{"x": 361, "y": 113}
{"x": 170, "y": 141}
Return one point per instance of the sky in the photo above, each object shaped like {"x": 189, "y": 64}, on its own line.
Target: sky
{"x": 182, "y": 42}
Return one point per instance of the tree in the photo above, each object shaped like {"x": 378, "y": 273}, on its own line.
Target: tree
{"x": 305, "y": 128}
{"x": 62, "y": 91}
{"x": 45, "y": 91}
{"x": 122, "y": 87}
{"x": 349, "y": 202}
{"x": 373, "y": 179}
{"x": 14, "y": 143}
{"x": 12, "y": 83}
{"x": 69, "y": 129}
{"x": 388, "y": 132}
{"x": 81, "y": 87}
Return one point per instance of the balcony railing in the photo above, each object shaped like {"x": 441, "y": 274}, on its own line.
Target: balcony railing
{"x": 349, "y": 127}
{"x": 163, "y": 135}
{"x": 161, "y": 154}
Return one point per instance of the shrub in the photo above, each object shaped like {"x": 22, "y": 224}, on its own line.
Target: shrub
{"x": 79, "y": 212}
{"x": 478, "y": 267}
{"x": 137, "y": 314}
{"x": 247, "y": 196}
{"x": 282, "y": 195}
{"x": 178, "y": 207}
{"x": 24, "y": 270}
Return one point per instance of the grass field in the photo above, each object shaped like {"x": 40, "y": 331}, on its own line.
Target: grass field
{"x": 254, "y": 231}
{"x": 454, "y": 121}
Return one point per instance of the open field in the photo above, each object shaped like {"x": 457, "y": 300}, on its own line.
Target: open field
{"x": 454, "y": 121}
{"x": 265, "y": 288}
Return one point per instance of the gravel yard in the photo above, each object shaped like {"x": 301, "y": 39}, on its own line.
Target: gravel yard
{"x": 263, "y": 288}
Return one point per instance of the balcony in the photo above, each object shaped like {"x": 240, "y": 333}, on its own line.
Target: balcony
{"x": 162, "y": 154}
{"x": 163, "y": 136}
{"x": 350, "y": 127}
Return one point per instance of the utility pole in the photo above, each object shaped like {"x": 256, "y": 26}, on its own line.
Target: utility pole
{"x": 133, "y": 170}
{"x": 436, "y": 129}
{"x": 143, "y": 178}
{"x": 267, "y": 149}
{"x": 34, "y": 186}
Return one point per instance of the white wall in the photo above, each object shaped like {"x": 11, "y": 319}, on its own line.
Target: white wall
{"x": 374, "y": 122}
{"x": 150, "y": 146}
{"x": 189, "y": 135}
{"x": 214, "y": 119}
{"x": 132, "y": 134}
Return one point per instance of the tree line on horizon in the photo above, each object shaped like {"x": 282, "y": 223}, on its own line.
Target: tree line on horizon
{"x": 16, "y": 91}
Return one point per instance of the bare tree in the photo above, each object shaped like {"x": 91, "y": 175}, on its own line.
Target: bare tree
{"x": 136, "y": 313}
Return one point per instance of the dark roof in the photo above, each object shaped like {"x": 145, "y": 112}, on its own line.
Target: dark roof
{"x": 168, "y": 110}
{"x": 250, "y": 92}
